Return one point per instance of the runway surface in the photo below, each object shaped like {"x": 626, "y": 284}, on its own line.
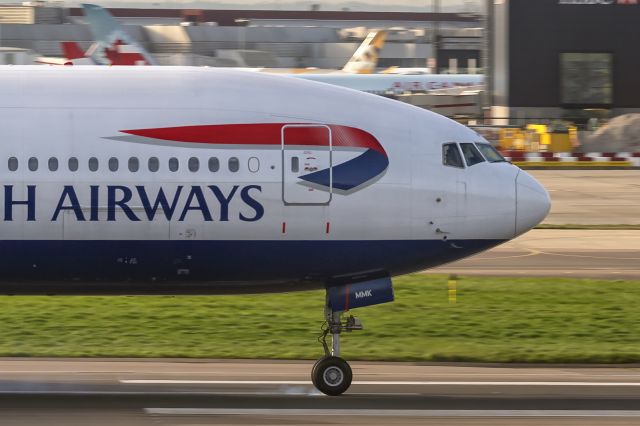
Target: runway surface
{"x": 558, "y": 253}
{"x": 103, "y": 392}
{"x": 589, "y": 197}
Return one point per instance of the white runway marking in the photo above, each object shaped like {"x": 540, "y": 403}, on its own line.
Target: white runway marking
{"x": 414, "y": 383}
{"x": 387, "y": 413}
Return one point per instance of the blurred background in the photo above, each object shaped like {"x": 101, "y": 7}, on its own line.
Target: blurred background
{"x": 555, "y": 80}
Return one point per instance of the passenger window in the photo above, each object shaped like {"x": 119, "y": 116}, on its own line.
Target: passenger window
{"x": 33, "y": 164}
{"x": 254, "y": 164}
{"x": 295, "y": 164}
{"x": 471, "y": 154}
{"x": 173, "y": 164}
{"x": 93, "y": 164}
{"x": 113, "y": 164}
{"x": 234, "y": 164}
{"x": 214, "y": 164}
{"x": 134, "y": 164}
{"x": 451, "y": 155}
{"x": 73, "y": 164}
{"x": 53, "y": 164}
{"x": 154, "y": 164}
{"x": 194, "y": 164}
{"x": 13, "y": 164}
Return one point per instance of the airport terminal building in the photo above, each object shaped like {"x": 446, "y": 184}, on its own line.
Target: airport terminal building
{"x": 309, "y": 38}
{"x": 564, "y": 58}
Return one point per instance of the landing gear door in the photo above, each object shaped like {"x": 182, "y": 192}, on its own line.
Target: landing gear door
{"x": 307, "y": 177}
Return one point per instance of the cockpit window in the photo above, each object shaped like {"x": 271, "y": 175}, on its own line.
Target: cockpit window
{"x": 471, "y": 154}
{"x": 490, "y": 153}
{"x": 451, "y": 155}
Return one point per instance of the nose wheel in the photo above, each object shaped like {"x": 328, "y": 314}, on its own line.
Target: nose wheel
{"x": 331, "y": 374}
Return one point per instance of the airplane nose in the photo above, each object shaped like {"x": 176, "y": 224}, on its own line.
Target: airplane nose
{"x": 532, "y": 202}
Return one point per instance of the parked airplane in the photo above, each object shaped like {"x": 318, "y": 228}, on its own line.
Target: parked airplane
{"x": 178, "y": 180}
{"x": 114, "y": 47}
{"x": 363, "y": 61}
{"x": 385, "y": 84}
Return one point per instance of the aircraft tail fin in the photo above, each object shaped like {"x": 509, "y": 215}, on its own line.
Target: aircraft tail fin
{"x": 114, "y": 45}
{"x": 72, "y": 50}
{"x": 365, "y": 59}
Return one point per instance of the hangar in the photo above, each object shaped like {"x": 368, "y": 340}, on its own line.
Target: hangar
{"x": 571, "y": 59}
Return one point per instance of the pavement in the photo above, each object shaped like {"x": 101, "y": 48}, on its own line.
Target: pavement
{"x": 181, "y": 392}
{"x": 611, "y": 254}
{"x": 592, "y": 197}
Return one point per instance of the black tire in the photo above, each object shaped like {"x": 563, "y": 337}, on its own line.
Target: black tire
{"x": 332, "y": 375}
{"x": 313, "y": 370}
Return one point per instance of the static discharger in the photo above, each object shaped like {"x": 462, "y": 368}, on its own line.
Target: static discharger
{"x": 453, "y": 292}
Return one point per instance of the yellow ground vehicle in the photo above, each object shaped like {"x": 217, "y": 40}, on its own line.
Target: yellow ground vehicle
{"x": 556, "y": 137}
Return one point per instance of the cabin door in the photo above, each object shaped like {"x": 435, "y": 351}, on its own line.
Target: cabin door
{"x": 306, "y": 164}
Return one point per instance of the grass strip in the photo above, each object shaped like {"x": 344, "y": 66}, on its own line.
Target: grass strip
{"x": 493, "y": 320}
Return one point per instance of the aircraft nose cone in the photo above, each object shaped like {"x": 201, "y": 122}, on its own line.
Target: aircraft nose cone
{"x": 532, "y": 202}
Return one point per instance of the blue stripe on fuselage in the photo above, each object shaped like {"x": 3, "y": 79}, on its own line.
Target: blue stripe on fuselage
{"x": 219, "y": 261}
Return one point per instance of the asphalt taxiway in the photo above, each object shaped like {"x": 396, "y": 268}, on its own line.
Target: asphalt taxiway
{"x": 592, "y": 197}
{"x": 606, "y": 254}
{"x": 101, "y": 392}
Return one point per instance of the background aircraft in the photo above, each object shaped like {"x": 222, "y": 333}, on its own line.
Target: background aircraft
{"x": 114, "y": 47}
{"x": 363, "y": 61}
{"x": 384, "y": 84}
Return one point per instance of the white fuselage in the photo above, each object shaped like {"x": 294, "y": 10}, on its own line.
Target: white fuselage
{"x": 189, "y": 178}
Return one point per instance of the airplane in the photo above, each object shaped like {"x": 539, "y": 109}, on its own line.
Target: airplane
{"x": 363, "y": 61}
{"x": 114, "y": 47}
{"x": 394, "y": 84}
{"x": 183, "y": 180}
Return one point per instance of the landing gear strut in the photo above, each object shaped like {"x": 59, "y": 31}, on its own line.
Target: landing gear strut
{"x": 331, "y": 374}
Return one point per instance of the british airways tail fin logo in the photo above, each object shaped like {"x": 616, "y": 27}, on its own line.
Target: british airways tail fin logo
{"x": 349, "y": 175}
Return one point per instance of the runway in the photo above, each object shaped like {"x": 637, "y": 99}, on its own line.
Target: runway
{"x": 592, "y": 197}
{"x": 101, "y": 392}
{"x": 558, "y": 253}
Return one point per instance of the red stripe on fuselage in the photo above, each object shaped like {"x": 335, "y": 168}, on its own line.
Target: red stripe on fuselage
{"x": 263, "y": 134}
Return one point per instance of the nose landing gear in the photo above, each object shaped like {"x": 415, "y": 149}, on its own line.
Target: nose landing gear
{"x": 331, "y": 374}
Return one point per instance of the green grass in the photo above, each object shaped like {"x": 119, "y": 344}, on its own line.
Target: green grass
{"x": 494, "y": 320}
